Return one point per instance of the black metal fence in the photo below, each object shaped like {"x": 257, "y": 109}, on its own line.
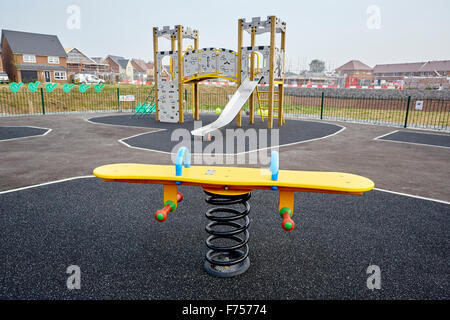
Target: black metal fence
{"x": 393, "y": 111}
{"x": 26, "y": 102}
{"x": 396, "y": 111}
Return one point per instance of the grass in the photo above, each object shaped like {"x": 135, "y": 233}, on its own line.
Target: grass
{"x": 211, "y": 98}
{"x": 431, "y": 118}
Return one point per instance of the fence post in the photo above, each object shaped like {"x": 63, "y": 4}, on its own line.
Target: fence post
{"x": 321, "y": 105}
{"x": 118, "y": 100}
{"x": 407, "y": 112}
{"x": 185, "y": 103}
{"x": 42, "y": 100}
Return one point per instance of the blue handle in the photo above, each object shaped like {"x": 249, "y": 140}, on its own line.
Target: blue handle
{"x": 183, "y": 155}
{"x": 274, "y": 165}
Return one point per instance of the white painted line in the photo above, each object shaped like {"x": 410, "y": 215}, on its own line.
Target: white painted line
{"x": 426, "y": 130}
{"x": 418, "y": 144}
{"x": 233, "y": 154}
{"x": 46, "y": 183}
{"x": 115, "y": 125}
{"x": 411, "y": 130}
{"x": 363, "y": 122}
{"x": 92, "y": 176}
{"x": 384, "y": 135}
{"x": 33, "y": 136}
{"x": 412, "y": 196}
{"x": 414, "y": 143}
{"x": 437, "y": 134}
{"x": 140, "y": 134}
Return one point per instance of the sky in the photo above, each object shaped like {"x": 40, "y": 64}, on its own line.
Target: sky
{"x": 373, "y": 31}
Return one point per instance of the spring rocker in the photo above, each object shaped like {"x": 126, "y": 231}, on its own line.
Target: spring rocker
{"x": 229, "y": 188}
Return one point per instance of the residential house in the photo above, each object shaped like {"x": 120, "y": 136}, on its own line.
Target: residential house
{"x": 119, "y": 67}
{"x": 399, "y": 71}
{"x": 32, "y": 56}
{"x": 150, "y": 71}
{"x": 78, "y": 62}
{"x": 112, "y": 61}
{"x": 140, "y": 71}
{"x": 356, "y": 73}
{"x": 165, "y": 73}
{"x": 99, "y": 59}
{"x": 1, "y": 61}
{"x": 306, "y": 77}
{"x": 129, "y": 70}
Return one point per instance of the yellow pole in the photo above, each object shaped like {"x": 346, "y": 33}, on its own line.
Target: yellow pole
{"x": 239, "y": 67}
{"x": 271, "y": 68}
{"x": 155, "y": 70}
{"x": 281, "y": 86}
{"x": 252, "y": 70}
{"x": 180, "y": 73}
{"x": 172, "y": 42}
{"x": 196, "y": 42}
{"x": 195, "y": 93}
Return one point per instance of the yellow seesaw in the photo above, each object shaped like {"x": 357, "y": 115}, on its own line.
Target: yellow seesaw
{"x": 231, "y": 186}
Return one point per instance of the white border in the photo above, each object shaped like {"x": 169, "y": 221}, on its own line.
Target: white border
{"x": 46, "y": 183}
{"x": 412, "y": 196}
{"x": 386, "y": 134}
{"x": 216, "y": 154}
{"x": 33, "y": 136}
{"x": 366, "y": 122}
{"x": 115, "y": 125}
{"x": 414, "y": 143}
{"x": 92, "y": 176}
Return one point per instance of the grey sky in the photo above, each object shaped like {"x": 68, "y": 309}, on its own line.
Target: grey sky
{"x": 334, "y": 31}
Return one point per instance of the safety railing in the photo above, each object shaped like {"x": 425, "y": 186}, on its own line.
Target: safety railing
{"x": 384, "y": 110}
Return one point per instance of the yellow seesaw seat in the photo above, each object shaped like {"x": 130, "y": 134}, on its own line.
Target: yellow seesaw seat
{"x": 233, "y": 183}
{"x": 228, "y": 192}
{"x": 236, "y": 178}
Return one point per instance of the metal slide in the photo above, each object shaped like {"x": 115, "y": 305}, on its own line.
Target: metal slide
{"x": 231, "y": 109}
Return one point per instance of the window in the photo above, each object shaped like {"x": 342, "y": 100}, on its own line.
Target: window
{"x": 31, "y": 58}
{"x": 60, "y": 75}
{"x": 53, "y": 60}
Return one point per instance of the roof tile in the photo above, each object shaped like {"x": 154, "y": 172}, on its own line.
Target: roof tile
{"x": 34, "y": 43}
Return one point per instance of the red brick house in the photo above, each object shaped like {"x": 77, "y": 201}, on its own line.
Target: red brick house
{"x": 1, "y": 61}
{"x": 356, "y": 69}
{"x": 140, "y": 69}
{"x": 119, "y": 67}
{"x": 145, "y": 67}
{"x": 33, "y": 57}
{"x": 113, "y": 62}
{"x": 399, "y": 71}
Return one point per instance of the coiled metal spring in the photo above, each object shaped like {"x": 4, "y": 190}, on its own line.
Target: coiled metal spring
{"x": 228, "y": 224}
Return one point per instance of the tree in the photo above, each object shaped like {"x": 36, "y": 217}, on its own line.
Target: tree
{"x": 317, "y": 66}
